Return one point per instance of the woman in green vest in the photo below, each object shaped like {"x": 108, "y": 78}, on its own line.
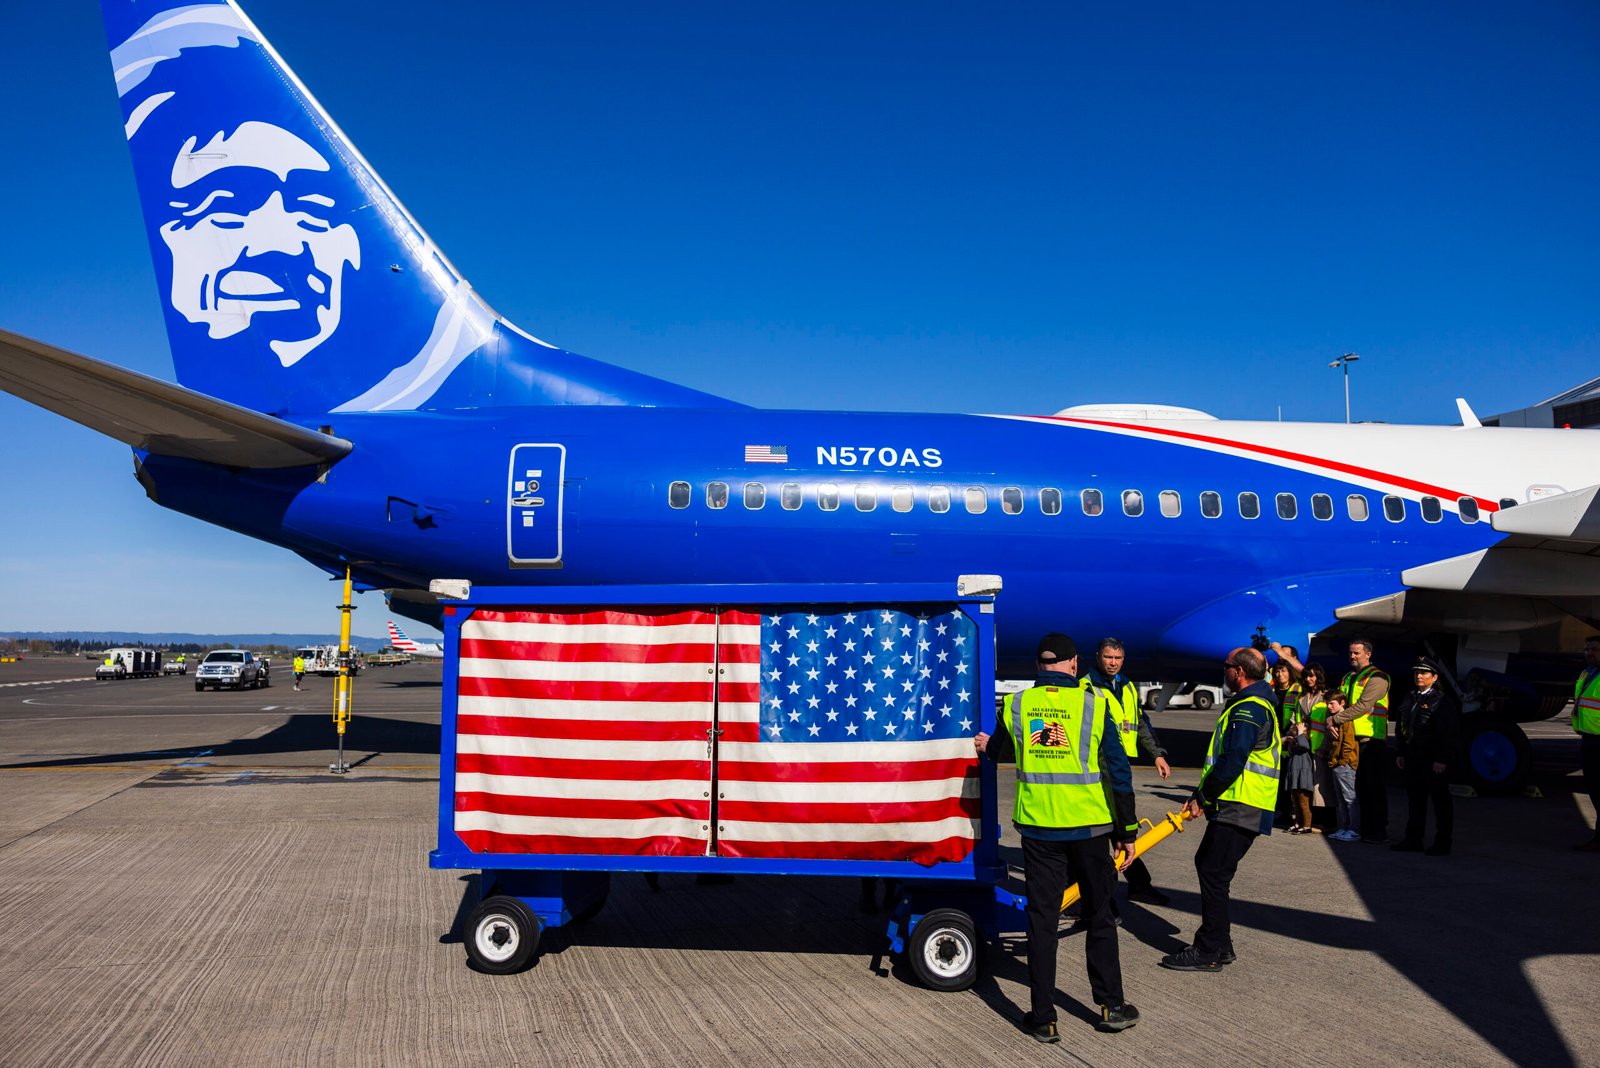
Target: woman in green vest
{"x": 1314, "y": 714}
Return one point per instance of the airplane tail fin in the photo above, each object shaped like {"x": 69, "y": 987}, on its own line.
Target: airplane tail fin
{"x": 398, "y": 639}
{"x": 294, "y": 281}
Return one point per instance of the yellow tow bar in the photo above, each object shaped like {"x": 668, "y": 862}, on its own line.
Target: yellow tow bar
{"x": 1154, "y": 836}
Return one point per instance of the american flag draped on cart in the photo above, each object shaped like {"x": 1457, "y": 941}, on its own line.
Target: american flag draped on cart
{"x": 839, "y": 734}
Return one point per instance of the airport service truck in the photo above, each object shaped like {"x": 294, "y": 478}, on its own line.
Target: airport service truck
{"x": 128, "y": 663}
{"x": 324, "y": 660}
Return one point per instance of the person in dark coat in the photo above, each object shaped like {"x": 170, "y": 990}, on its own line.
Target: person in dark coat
{"x": 1430, "y": 736}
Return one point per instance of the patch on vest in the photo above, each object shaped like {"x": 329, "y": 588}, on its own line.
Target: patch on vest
{"x": 1047, "y": 733}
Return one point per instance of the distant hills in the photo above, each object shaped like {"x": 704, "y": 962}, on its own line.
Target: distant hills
{"x": 100, "y": 639}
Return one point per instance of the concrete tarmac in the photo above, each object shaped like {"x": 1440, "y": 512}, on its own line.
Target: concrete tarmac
{"x": 182, "y": 882}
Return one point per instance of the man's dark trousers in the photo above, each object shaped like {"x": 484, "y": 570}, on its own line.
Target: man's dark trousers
{"x": 1215, "y": 862}
{"x": 1049, "y": 868}
{"x": 1589, "y": 755}
{"x": 1372, "y": 790}
{"x": 1422, "y": 783}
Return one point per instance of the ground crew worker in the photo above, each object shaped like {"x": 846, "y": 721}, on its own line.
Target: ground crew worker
{"x": 1586, "y": 721}
{"x": 1366, "y": 689}
{"x": 1133, "y": 728}
{"x": 1074, "y": 795}
{"x": 299, "y": 669}
{"x": 1237, "y": 792}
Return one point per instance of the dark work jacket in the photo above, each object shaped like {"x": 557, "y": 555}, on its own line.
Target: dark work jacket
{"x": 1116, "y": 773}
{"x": 1249, "y": 729}
{"x": 1429, "y": 727}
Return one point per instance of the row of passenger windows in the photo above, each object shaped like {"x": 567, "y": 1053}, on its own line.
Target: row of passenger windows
{"x": 865, "y": 498}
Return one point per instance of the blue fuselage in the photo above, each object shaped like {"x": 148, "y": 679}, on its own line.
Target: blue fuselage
{"x": 1179, "y": 589}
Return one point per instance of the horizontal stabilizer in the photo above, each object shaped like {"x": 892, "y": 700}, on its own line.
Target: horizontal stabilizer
{"x": 153, "y": 415}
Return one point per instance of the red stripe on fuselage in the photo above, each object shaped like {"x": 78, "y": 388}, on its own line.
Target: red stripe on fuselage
{"x": 1284, "y": 454}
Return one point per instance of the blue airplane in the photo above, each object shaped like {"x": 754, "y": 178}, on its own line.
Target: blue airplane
{"x": 320, "y": 337}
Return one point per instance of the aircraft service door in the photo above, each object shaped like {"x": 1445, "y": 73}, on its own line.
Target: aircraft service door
{"x": 533, "y": 505}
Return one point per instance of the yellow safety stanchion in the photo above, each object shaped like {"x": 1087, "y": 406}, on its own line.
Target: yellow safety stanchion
{"x": 1147, "y": 841}
{"x": 343, "y": 689}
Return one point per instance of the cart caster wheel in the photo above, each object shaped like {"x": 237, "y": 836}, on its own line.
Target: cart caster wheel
{"x": 943, "y": 950}
{"x": 502, "y": 934}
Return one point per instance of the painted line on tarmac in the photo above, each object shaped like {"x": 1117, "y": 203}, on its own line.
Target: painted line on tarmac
{"x": 131, "y": 715}
{"x": 43, "y": 682}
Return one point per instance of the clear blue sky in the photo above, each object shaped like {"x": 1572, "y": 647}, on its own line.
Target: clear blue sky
{"x": 876, "y": 206}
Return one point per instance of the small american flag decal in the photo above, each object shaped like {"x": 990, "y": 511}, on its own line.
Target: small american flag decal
{"x": 766, "y": 454}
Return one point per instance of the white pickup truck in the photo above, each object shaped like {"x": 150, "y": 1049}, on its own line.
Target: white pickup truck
{"x": 233, "y": 668}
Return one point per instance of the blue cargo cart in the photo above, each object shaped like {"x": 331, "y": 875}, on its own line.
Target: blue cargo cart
{"x": 728, "y": 729}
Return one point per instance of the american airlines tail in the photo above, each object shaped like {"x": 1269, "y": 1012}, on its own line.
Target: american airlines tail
{"x": 398, "y": 639}
{"x": 294, "y": 281}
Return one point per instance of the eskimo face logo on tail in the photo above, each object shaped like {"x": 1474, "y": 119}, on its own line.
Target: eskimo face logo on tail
{"x": 251, "y": 236}
{"x": 261, "y": 217}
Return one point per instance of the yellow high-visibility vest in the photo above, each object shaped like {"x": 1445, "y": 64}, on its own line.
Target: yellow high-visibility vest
{"x": 1125, "y": 710}
{"x": 1257, "y": 784}
{"x": 1057, "y": 732}
{"x": 1317, "y": 725}
{"x": 1374, "y": 724}
{"x": 1586, "y": 709}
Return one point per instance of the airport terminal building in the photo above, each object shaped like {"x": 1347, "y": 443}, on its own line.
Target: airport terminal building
{"x": 1578, "y": 408}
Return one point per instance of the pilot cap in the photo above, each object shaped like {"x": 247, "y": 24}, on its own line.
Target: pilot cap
{"x": 1056, "y": 647}
{"x": 1424, "y": 664}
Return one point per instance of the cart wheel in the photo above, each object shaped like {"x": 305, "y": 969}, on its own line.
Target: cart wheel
{"x": 943, "y": 950}
{"x": 1203, "y": 700}
{"x": 502, "y": 934}
{"x": 592, "y": 909}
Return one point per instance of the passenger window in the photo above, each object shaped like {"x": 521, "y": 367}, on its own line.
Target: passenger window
{"x": 1432, "y": 510}
{"x": 828, "y": 497}
{"x": 1211, "y": 504}
{"x": 1050, "y": 501}
{"x": 789, "y": 496}
{"x": 678, "y": 495}
{"x": 1508, "y": 502}
{"x": 1093, "y": 502}
{"x": 1468, "y": 507}
{"x": 1011, "y": 500}
{"x": 1288, "y": 508}
{"x": 755, "y": 495}
{"x": 1358, "y": 507}
{"x": 938, "y": 498}
{"x": 977, "y": 500}
{"x": 1394, "y": 508}
{"x": 1249, "y": 506}
{"x": 902, "y": 498}
{"x": 866, "y": 498}
{"x": 1171, "y": 506}
{"x": 1321, "y": 506}
{"x": 1132, "y": 503}
{"x": 716, "y": 495}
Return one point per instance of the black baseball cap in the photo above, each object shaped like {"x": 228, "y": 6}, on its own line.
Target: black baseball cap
{"x": 1056, "y": 647}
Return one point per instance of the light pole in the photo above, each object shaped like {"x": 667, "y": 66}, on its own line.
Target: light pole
{"x": 1345, "y": 361}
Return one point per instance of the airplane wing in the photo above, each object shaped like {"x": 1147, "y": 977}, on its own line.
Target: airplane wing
{"x": 153, "y": 415}
{"x": 1551, "y": 549}
{"x": 1546, "y": 567}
